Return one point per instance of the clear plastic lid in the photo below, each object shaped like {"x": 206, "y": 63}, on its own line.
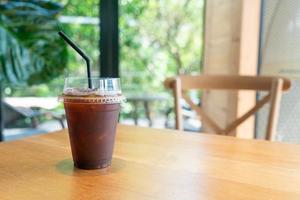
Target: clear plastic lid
{"x": 103, "y": 90}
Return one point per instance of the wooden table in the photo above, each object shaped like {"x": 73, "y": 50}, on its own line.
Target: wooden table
{"x": 152, "y": 164}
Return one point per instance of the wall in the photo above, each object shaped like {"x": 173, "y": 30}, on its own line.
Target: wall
{"x": 231, "y": 47}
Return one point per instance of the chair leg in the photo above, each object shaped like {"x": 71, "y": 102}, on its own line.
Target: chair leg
{"x": 1, "y": 118}
{"x": 34, "y": 122}
{"x": 167, "y": 113}
{"x": 61, "y": 121}
{"x": 276, "y": 93}
{"x": 59, "y": 118}
{"x": 135, "y": 112}
{"x": 147, "y": 112}
{"x": 1, "y": 136}
{"x": 178, "y": 111}
{"x": 1, "y": 122}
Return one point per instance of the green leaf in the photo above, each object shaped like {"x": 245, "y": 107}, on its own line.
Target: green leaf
{"x": 30, "y": 50}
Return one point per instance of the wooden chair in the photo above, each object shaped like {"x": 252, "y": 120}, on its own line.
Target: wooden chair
{"x": 274, "y": 85}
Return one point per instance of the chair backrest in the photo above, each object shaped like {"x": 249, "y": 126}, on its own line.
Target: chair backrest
{"x": 274, "y": 85}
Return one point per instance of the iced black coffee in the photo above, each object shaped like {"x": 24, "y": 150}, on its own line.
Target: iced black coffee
{"x": 92, "y": 116}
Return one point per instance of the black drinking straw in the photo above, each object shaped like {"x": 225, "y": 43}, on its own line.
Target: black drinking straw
{"x": 83, "y": 55}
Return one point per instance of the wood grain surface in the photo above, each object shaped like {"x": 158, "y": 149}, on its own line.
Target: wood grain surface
{"x": 152, "y": 164}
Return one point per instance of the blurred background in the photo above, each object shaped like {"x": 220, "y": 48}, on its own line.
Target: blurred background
{"x": 144, "y": 42}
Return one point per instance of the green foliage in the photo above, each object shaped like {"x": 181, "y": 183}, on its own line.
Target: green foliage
{"x": 85, "y": 35}
{"x": 159, "y": 39}
{"x": 30, "y": 50}
{"x": 88, "y": 8}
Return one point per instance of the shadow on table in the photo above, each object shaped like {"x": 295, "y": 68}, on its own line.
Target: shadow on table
{"x": 66, "y": 167}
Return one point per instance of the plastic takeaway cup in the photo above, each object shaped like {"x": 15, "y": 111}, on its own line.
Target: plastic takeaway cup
{"x": 92, "y": 116}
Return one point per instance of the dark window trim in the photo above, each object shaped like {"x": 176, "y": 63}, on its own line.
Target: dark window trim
{"x": 109, "y": 38}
